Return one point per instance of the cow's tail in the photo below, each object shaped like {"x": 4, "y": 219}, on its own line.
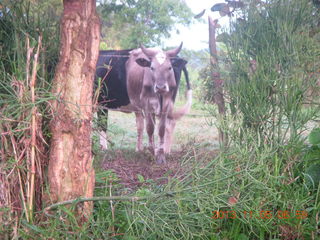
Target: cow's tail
{"x": 179, "y": 113}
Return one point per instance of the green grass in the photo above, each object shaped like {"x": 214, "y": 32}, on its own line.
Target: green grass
{"x": 268, "y": 198}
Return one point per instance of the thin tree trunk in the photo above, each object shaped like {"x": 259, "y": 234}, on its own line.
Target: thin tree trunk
{"x": 217, "y": 81}
{"x": 70, "y": 171}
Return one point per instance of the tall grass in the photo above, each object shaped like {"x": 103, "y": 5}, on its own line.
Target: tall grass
{"x": 274, "y": 55}
{"x": 28, "y": 52}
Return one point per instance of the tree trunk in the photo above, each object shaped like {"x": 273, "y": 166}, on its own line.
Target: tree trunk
{"x": 217, "y": 81}
{"x": 70, "y": 171}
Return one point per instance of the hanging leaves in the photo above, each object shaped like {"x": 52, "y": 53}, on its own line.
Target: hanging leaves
{"x": 232, "y": 201}
{"x": 316, "y": 3}
{"x": 218, "y": 7}
{"x": 222, "y": 8}
{"x": 235, "y": 4}
{"x": 199, "y": 15}
{"x": 224, "y": 12}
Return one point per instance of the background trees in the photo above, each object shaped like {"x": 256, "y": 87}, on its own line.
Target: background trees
{"x": 128, "y": 23}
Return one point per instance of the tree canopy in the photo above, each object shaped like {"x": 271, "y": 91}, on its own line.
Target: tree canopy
{"x": 128, "y": 23}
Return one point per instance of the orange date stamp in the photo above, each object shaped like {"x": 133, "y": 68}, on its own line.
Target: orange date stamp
{"x": 280, "y": 214}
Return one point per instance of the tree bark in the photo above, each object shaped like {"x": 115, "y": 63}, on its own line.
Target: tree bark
{"x": 217, "y": 81}
{"x": 70, "y": 172}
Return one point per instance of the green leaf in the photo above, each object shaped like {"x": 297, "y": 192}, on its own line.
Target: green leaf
{"x": 312, "y": 176}
{"x": 242, "y": 236}
{"x": 140, "y": 178}
{"x": 235, "y": 4}
{"x": 314, "y": 136}
{"x": 218, "y": 7}
{"x": 199, "y": 15}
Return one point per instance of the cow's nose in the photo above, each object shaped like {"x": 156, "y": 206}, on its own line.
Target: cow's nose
{"x": 161, "y": 87}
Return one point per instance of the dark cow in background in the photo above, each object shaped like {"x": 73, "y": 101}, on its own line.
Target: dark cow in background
{"x": 144, "y": 81}
{"x": 111, "y": 68}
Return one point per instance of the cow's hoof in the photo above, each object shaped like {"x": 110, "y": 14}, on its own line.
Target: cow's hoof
{"x": 161, "y": 158}
{"x": 139, "y": 149}
{"x": 151, "y": 150}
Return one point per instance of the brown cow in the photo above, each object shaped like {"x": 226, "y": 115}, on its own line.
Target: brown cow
{"x": 151, "y": 84}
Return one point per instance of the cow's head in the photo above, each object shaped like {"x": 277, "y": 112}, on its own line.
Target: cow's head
{"x": 160, "y": 67}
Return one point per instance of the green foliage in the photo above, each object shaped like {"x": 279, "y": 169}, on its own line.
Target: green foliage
{"x": 311, "y": 161}
{"x": 127, "y": 24}
{"x": 274, "y": 59}
{"x": 207, "y": 85}
{"x": 22, "y": 19}
{"x": 19, "y": 21}
{"x": 314, "y": 136}
{"x": 312, "y": 176}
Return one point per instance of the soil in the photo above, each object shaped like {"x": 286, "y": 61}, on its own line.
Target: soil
{"x": 129, "y": 165}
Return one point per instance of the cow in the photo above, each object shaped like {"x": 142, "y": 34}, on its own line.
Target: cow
{"x": 144, "y": 81}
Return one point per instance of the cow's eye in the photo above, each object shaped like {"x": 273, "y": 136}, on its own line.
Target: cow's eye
{"x": 152, "y": 68}
{"x": 170, "y": 68}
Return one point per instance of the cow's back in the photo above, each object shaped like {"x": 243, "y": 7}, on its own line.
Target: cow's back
{"x": 111, "y": 68}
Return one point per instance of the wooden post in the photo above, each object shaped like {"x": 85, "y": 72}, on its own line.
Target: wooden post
{"x": 217, "y": 81}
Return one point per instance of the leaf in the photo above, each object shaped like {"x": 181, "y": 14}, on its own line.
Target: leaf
{"x": 232, "y": 201}
{"x": 218, "y": 7}
{"x": 224, "y": 11}
{"x": 140, "y": 178}
{"x": 242, "y": 236}
{"x": 314, "y": 136}
{"x": 312, "y": 176}
{"x": 199, "y": 15}
{"x": 235, "y": 4}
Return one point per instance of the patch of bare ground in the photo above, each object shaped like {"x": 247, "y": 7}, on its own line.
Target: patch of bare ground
{"x": 128, "y": 165}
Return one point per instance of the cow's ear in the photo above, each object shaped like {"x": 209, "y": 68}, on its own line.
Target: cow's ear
{"x": 143, "y": 62}
{"x": 178, "y": 62}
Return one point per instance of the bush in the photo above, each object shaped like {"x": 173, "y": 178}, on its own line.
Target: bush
{"x": 274, "y": 54}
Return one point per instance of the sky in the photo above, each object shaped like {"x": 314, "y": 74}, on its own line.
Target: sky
{"x": 196, "y": 36}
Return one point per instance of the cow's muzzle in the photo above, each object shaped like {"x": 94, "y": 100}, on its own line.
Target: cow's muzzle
{"x": 161, "y": 88}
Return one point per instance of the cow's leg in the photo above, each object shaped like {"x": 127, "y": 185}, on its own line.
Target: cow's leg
{"x": 140, "y": 126}
{"x": 170, "y": 125}
{"x": 102, "y": 133}
{"x": 150, "y": 121}
{"x": 160, "y": 156}
{"x": 103, "y": 140}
